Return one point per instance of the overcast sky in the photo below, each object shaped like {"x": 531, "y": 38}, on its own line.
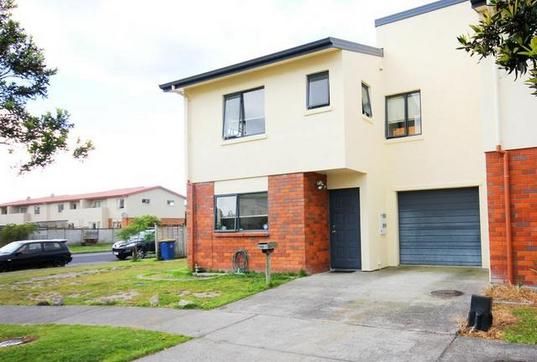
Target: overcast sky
{"x": 112, "y": 54}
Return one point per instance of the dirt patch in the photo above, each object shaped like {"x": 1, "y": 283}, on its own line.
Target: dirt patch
{"x": 206, "y": 295}
{"x": 512, "y": 294}
{"x": 115, "y": 298}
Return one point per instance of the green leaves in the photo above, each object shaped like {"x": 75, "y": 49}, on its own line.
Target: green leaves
{"x": 24, "y": 76}
{"x": 508, "y": 32}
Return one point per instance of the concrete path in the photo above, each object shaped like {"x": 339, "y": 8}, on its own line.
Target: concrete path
{"x": 381, "y": 316}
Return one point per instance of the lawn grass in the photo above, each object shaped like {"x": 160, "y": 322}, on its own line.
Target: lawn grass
{"x": 95, "y": 248}
{"x": 525, "y": 329}
{"x": 83, "y": 343}
{"x": 143, "y": 283}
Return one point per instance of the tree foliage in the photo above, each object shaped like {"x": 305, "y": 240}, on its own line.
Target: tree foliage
{"x": 24, "y": 76}
{"x": 138, "y": 224}
{"x": 13, "y": 232}
{"x": 508, "y": 32}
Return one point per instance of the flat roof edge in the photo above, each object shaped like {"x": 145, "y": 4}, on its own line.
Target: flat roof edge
{"x": 297, "y": 51}
{"x": 427, "y": 8}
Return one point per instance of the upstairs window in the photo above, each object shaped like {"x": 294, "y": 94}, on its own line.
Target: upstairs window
{"x": 146, "y": 201}
{"x": 121, "y": 203}
{"x": 244, "y": 114}
{"x": 3, "y": 210}
{"x": 318, "y": 92}
{"x": 73, "y": 205}
{"x": 37, "y": 210}
{"x": 60, "y": 207}
{"x": 241, "y": 212}
{"x": 170, "y": 202}
{"x": 403, "y": 115}
{"x": 366, "y": 101}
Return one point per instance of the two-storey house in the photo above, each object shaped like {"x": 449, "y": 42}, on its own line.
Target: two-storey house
{"x": 105, "y": 209}
{"x": 354, "y": 157}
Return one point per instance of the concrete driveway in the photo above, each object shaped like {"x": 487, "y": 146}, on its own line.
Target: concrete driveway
{"x": 388, "y": 315}
{"x": 396, "y": 298}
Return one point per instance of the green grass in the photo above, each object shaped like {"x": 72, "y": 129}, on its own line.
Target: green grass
{"x": 83, "y": 343}
{"x": 131, "y": 284}
{"x": 81, "y": 249}
{"x": 525, "y": 330}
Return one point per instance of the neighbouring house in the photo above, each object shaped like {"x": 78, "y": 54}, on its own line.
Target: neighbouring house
{"x": 106, "y": 209}
{"x": 355, "y": 157}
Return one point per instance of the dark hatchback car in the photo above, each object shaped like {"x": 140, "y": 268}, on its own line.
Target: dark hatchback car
{"x": 34, "y": 253}
{"x": 141, "y": 243}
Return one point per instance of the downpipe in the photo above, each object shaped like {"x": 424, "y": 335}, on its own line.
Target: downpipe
{"x": 507, "y": 212}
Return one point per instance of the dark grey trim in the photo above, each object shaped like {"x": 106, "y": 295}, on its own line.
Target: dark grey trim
{"x": 237, "y": 212}
{"x": 416, "y": 11}
{"x": 308, "y": 48}
{"x": 478, "y": 3}
{"x": 405, "y": 95}
{"x": 314, "y": 76}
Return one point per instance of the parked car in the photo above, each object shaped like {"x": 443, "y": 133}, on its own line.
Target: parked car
{"x": 34, "y": 253}
{"x": 141, "y": 243}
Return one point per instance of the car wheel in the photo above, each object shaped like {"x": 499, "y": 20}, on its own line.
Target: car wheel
{"x": 59, "y": 262}
{"x": 140, "y": 253}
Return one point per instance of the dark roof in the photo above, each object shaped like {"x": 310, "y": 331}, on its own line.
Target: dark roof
{"x": 477, "y": 3}
{"x": 427, "y": 8}
{"x": 312, "y": 47}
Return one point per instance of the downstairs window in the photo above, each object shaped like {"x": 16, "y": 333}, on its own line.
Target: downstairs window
{"x": 241, "y": 212}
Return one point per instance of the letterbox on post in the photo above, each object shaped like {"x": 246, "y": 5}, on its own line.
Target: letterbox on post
{"x": 267, "y": 249}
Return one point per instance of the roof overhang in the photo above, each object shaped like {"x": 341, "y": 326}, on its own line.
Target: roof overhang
{"x": 284, "y": 55}
{"x": 427, "y": 8}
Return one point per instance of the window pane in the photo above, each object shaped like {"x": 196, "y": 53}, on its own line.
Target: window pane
{"x": 254, "y": 112}
{"x": 318, "y": 90}
{"x": 396, "y": 116}
{"x": 226, "y": 212}
{"x": 232, "y": 112}
{"x": 366, "y": 101}
{"x": 414, "y": 114}
{"x": 253, "y": 211}
{"x": 52, "y": 246}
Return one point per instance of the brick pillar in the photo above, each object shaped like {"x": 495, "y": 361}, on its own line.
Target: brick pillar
{"x": 523, "y": 185}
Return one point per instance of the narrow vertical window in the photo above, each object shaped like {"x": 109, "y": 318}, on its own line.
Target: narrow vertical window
{"x": 226, "y": 213}
{"x": 318, "y": 91}
{"x": 366, "y": 101}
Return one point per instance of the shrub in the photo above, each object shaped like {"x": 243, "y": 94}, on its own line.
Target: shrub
{"x": 13, "y": 232}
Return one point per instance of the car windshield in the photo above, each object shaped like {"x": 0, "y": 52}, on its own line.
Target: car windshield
{"x": 11, "y": 247}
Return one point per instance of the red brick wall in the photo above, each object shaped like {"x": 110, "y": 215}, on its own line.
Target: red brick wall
{"x": 296, "y": 223}
{"x": 523, "y": 185}
{"x": 317, "y": 224}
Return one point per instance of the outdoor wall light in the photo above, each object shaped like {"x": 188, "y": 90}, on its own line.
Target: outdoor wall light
{"x": 321, "y": 185}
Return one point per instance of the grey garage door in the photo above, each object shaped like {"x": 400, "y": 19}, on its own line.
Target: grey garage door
{"x": 440, "y": 227}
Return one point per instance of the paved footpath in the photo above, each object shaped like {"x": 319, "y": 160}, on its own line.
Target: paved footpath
{"x": 232, "y": 336}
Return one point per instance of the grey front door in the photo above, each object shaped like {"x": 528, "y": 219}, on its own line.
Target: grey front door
{"x": 345, "y": 249}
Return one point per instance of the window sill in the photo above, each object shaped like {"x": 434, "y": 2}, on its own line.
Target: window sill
{"x": 241, "y": 234}
{"x": 310, "y": 112}
{"x": 368, "y": 119}
{"x": 416, "y": 138}
{"x": 244, "y": 139}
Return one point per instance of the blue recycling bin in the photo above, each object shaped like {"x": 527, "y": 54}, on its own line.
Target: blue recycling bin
{"x": 167, "y": 249}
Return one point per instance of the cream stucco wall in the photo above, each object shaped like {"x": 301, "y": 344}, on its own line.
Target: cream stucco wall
{"x": 420, "y": 54}
{"x": 295, "y": 139}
